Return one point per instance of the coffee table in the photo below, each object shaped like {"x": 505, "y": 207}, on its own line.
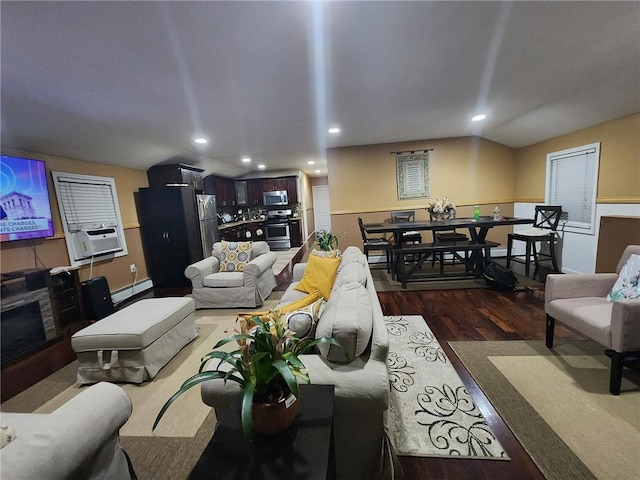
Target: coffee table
{"x": 302, "y": 452}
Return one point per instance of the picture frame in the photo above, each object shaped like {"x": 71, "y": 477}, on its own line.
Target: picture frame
{"x": 412, "y": 175}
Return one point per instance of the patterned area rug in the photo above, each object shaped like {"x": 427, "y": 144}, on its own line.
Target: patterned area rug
{"x": 430, "y": 411}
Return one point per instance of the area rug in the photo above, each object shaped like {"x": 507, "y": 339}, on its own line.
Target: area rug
{"x": 176, "y": 445}
{"x": 283, "y": 259}
{"x": 384, "y": 282}
{"x": 430, "y": 410}
{"x": 557, "y": 403}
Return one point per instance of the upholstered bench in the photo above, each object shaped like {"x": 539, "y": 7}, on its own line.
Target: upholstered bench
{"x": 133, "y": 344}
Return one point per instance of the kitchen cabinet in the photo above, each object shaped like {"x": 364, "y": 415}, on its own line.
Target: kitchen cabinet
{"x": 274, "y": 184}
{"x": 295, "y": 232}
{"x": 163, "y": 175}
{"x": 254, "y": 192}
{"x": 170, "y": 231}
{"x": 292, "y": 189}
{"x": 242, "y": 199}
{"x": 223, "y": 188}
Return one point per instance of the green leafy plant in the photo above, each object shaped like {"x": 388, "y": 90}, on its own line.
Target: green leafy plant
{"x": 265, "y": 365}
{"x": 326, "y": 240}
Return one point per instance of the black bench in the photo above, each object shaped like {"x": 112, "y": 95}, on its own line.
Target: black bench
{"x": 474, "y": 262}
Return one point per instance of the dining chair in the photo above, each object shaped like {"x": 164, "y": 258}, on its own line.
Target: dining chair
{"x": 447, "y": 237}
{"x": 376, "y": 243}
{"x": 545, "y": 224}
{"x": 407, "y": 216}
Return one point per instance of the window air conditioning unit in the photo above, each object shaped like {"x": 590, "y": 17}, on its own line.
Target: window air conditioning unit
{"x": 89, "y": 243}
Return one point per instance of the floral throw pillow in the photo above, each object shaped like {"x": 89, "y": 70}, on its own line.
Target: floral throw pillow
{"x": 336, "y": 253}
{"x": 234, "y": 256}
{"x": 628, "y": 283}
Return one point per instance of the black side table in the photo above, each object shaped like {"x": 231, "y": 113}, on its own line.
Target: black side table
{"x": 303, "y": 452}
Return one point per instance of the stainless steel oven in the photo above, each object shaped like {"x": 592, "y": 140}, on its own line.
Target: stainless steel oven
{"x": 276, "y": 229}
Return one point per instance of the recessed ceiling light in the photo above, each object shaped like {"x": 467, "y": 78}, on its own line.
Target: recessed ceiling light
{"x": 311, "y": 162}
{"x": 200, "y": 140}
{"x": 479, "y": 117}
{"x": 317, "y": 171}
{"x": 246, "y": 159}
{"x": 334, "y": 130}
{"x": 261, "y": 167}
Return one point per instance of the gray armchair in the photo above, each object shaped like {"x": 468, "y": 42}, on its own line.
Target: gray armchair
{"x": 249, "y": 288}
{"x": 79, "y": 440}
{"x": 579, "y": 301}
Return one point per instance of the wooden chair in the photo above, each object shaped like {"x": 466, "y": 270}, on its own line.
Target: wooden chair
{"x": 447, "y": 237}
{"x": 379, "y": 243}
{"x": 545, "y": 224}
{"x": 411, "y": 236}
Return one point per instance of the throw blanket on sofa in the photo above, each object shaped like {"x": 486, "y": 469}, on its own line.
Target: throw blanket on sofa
{"x": 430, "y": 411}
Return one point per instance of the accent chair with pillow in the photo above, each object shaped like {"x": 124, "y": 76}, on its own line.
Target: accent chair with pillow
{"x": 602, "y": 306}
{"x": 353, "y": 316}
{"x": 238, "y": 274}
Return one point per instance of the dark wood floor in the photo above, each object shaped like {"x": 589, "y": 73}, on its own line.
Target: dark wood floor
{"x": 474, "y": 314}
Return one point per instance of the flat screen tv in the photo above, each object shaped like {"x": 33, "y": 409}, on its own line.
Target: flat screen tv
{"x": 25, "y": 211}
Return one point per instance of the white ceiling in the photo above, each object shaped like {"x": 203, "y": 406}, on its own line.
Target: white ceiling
{"x": 130, "y": 83}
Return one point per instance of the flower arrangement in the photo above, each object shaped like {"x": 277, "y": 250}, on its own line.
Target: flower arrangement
{"x": 265, "y": 365}
{"x": 442, "y": 208}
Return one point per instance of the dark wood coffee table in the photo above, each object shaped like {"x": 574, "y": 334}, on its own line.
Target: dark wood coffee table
{"x": 303, "y": 452}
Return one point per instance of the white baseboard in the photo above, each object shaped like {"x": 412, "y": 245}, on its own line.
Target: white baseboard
{"x": 128, "y": 292}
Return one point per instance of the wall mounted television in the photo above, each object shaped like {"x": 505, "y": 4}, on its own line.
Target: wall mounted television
{"x": 25, "y": 211}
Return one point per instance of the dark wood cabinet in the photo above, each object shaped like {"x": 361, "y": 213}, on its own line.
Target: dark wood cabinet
{"x": 170, "y": 233}
{"x": 163, "y": 175}
{"x": 66, "y": 301}
{"x": 295, "y": 232}
{"x": 274, "y": 184}
{"x": 292, "y": 189}
{"x": 254, "y": 192}
{"x": 223, "y": 188}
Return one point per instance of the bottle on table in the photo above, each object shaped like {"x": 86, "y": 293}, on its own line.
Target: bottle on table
{"x": 496, "y": 213}
{"x": 476, "y": 212}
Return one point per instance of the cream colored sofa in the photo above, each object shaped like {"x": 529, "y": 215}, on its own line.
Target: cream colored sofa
{"x": 212, "y": 288}
{"x": 361, "y": 386}
{"x": 79, "y": 440}
{"x": 580, "y": 301}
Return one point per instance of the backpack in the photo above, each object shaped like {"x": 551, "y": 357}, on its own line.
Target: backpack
{"x": 499, "y": 278}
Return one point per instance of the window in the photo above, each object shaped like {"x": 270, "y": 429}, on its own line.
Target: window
{"x": 572, "y": 182}
{"x": 90, "y": 216}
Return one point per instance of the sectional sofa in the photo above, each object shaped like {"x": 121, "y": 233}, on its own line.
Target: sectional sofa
{"x": 354, "y": 317}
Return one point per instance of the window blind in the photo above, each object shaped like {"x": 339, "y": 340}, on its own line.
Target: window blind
{"x": 87, "y": 204}
{"x": 572, "y": 183}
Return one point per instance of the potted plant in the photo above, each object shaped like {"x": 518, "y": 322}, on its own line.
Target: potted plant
{"x": 265, "y": 366}
{"x": 326, "y": 240}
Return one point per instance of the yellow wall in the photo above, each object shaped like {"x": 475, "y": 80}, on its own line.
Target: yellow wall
{"x": 470, "y": 171}
{"x": 619, "y": 176}
{"x": 52, "y": 252}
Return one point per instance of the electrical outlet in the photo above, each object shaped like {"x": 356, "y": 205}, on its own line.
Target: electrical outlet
{"x": 133, "y": 268}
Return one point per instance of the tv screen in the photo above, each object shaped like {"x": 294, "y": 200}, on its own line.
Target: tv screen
{"x": 25, "y": 211}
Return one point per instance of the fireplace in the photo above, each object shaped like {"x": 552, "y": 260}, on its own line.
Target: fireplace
{"x": 22, "y": 330}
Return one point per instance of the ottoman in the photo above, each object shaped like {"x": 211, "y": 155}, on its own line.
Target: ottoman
{"x": 133, "y": 344}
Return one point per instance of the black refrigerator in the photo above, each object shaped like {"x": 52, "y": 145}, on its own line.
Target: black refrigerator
{"x": 171, "y": 235}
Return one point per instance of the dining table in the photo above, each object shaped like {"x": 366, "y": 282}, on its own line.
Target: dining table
{"x": 477, "y": 244}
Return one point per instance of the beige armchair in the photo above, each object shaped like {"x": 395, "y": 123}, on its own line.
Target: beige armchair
{"x": 579, "y": 301}
{"x": 212, "y": 288}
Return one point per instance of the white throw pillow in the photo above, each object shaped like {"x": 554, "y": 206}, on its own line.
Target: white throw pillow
{"x": 348, "y": 319}
{"x": 7, "y": 435}
{"x": 628, "y": 283}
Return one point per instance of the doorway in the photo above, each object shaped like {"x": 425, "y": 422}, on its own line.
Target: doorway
{"x": 321, "y": 208}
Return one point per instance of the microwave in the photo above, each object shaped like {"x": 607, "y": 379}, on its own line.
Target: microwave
{"x": 279, "y": 197}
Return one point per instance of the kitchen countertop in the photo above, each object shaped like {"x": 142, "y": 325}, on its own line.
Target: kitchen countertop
{"x": 222, "y": 226}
